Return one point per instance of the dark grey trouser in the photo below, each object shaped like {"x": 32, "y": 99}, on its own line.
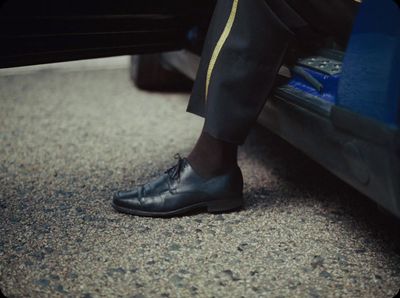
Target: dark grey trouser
{"x": 245, "y": 46}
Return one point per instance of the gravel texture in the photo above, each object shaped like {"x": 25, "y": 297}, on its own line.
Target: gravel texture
{"x": 69, "y": 140}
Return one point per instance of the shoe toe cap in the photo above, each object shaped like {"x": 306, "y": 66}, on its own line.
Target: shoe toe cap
{"x": 127, "y": 199}
{"x": 131, "y": 194}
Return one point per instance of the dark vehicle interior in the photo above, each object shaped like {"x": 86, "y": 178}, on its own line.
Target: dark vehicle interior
{"x": 47, "y": 31}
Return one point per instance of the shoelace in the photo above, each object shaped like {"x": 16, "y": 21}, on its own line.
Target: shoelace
{"x": 174, "y": 172}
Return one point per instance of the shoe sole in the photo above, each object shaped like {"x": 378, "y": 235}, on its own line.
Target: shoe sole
{"x": 217, "y": 206}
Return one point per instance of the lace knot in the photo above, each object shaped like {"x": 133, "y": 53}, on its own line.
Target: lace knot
{"x": 174, "y": 172}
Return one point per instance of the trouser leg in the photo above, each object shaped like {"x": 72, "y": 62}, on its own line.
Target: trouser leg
{"x": 244, "y": 48}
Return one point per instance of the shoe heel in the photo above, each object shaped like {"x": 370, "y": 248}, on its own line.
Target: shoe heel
{"x": 224, "y": 205}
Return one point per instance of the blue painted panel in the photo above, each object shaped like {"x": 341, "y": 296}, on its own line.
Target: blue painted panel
{"x": 370, "y": 81}
{"x": 329, "y": 83}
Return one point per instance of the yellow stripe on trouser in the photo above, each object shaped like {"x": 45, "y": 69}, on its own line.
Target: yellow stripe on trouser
{"x": 220, "y": 43}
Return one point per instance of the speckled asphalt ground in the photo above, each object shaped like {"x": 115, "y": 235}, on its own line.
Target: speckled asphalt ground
{"x": 71, "y": 139}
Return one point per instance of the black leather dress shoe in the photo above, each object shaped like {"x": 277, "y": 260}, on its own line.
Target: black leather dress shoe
{"x": 180, "y": 190}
